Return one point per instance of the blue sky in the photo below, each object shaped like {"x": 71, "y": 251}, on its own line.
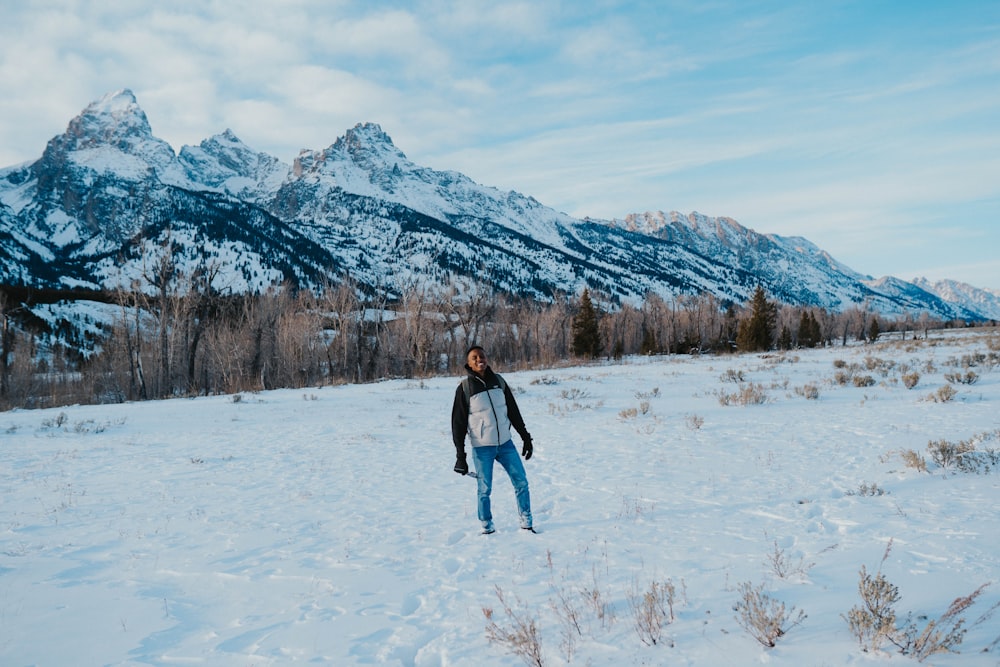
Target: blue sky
{"x": 871, "y": 128}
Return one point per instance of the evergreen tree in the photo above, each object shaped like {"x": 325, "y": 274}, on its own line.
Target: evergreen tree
{"x": 809, "y": 333}
{"x": 757, "y": 331}
{"x": 586, "y": 335}
{"x": 785, "y": 339}
{"x": 805, "y": 332}
{"x": 814, "y": 331}
{"x": 648, "y": 345}
{"x": 873, "y": 331}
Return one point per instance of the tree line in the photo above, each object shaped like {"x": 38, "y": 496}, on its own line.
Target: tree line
{"x": 173, "y": 335}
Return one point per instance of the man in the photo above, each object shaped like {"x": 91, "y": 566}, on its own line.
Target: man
{"x": 485, "y": 410}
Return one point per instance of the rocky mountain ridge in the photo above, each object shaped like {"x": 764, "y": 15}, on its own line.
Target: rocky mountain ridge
{"x": 108, "y": 201}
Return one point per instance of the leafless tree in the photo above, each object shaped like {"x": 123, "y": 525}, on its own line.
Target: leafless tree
{"x": 343, "y": 310}
{"x": 6, "y": 347}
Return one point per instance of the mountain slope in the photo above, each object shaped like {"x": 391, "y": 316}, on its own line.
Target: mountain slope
{"x": 108, "y": 200}
{"x": 984, "y": 302}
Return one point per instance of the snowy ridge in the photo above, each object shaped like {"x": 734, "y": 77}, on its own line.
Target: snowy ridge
{"x": 984, "y": 301}
{"x": 112, "y": 137}
{"x": 107, "y": 198}
{"x": 227, "y": 164}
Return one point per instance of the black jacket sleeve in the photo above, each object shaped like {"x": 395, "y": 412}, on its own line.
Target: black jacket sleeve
{"x": 459, "y": 420}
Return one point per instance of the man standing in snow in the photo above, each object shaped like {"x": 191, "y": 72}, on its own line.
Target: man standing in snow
{"x": 485, "y": 410}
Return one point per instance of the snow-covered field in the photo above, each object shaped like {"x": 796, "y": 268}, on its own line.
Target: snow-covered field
{"x": 326, "y": 526}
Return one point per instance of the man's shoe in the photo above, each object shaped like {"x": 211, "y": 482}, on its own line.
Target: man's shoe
{"x": 489, "y": 531}
{"x": 529, "y": 529}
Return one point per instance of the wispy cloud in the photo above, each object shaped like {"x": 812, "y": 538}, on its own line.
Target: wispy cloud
{"x": 844, "y": 122}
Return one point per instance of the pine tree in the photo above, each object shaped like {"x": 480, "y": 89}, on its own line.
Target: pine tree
{"x": 785, "y": 339}
{"x": 874, "y": 331}
{"x": 757, "y": 331}
{"x": 648, "y": 345}
{"x": 809, "y": 334}
{"x": 814, "y": 330}
{"x": 586, "y": 335}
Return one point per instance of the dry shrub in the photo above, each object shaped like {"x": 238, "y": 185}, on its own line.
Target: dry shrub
{"x": 652, "y": 610}
{"x": 967, "y": 378}
{"x": 694, "y": 422}
{"x": 873, "y": 623}
{"x": 629, "y": 413}
{"x": 574, "y": 394}
{"x": 966, "y": 455}
{"x": 944, "y": 394}
{"x": 568, "y": 613}
{"x": 520, "y": 634}
{"x": 938, "y": 636}
{"x": 973, "y": 360}
{"x": 594, "y": 599}
{"x": 783, "y": 565}
{"x": 868, "y": 490}
{"x": 732, "y": 375}
{"x": 863, "y": 381}
{"x": 765, "y": 618}
{"x": 882, "y": 366}
{"x": 947, "y": 454}
{"x": 809, "y": 390}
{"x": 910, "y": 380}
{"x": 748, "y": 394}
{"x": 914, "y": 460}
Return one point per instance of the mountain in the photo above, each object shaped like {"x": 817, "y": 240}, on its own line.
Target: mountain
{"x": 108, "y": 204}
{"x": 985, "y": 302}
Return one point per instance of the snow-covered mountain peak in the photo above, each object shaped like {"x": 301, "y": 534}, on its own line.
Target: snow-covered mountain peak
{"x": 364, "y": 162}
{"x": 118, "y": 103}
{"x": 224, "y": 162}
{"x": 983, "y": 301}
{"x": 367, "y": 147}
{"x": 110, "y": 136}
{"x": 367, "y": 138}
{"x": 361, "y": 208}
{"x": 232, "y": 153}
{"x": 676, "y": 226}
{"x": 114, "y": 119}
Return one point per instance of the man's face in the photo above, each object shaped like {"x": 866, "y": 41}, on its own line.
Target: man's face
{"x": 477, "y": 361}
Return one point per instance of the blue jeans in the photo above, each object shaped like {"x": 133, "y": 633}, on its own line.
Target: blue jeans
{"x": 507, "y": 455}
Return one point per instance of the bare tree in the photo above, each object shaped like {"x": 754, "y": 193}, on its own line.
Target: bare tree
{"x": 6, "y": 347}
{"x": 473, "y": 310}
{"x": 343, "y": 309}
{"x": 415, "y": 329}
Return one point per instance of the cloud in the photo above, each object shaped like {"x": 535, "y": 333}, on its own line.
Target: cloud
{"x": 792, "y": 119}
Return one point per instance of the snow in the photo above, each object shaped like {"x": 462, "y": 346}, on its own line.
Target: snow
{"x": 64, "y": 228}
{"x": 325, "y": 525}
{"x": 105, "y": 159}
{"x": 117, "y": 103}
{"x": 16, "y": 196}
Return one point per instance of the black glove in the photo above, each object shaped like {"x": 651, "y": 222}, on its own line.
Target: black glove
{"x": 461, "y": 464}
{"x": 527, "y": 450}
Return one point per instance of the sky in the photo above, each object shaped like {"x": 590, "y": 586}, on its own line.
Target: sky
{"x": 870, "y": 128}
